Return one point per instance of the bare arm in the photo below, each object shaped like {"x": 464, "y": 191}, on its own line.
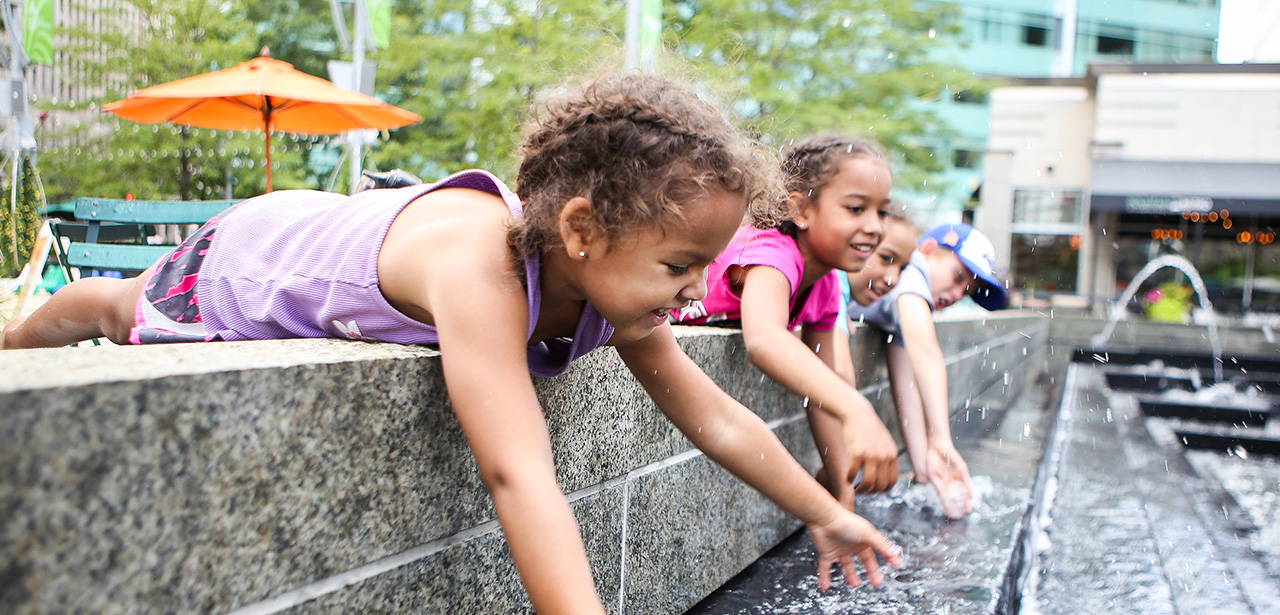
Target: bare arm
{"x": 487, "y": 376}
{"x": 842, "y": 356}
{"x": 738, "y": 440}
{"x": 906, "y": 398}
{"x": 800, "y": 370}
{"x": 826, "y": 428}
{"x": 929, "y": 369}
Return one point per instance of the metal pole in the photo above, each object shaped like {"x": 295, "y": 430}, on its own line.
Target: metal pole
{"x": 18, "y": 89}
{"x": 357, "y": 60}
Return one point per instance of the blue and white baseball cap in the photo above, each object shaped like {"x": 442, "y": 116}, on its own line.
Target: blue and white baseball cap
{"x": 978, "y": 256}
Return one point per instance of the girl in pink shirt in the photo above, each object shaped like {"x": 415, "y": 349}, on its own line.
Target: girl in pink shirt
{"x": 776, "y": 280}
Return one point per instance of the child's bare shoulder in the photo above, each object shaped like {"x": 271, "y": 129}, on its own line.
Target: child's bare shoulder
{"x": 442, "y": 239}
{"x": 463, "y": 219}
{"x": 455, "y": 205}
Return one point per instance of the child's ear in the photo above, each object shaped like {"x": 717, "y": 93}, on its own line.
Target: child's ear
{"x": 802, "y": 209}
{"x": 577, "y": 226}
{"x": 927, "y": 247}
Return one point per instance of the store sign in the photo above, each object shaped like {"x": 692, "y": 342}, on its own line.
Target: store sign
{"x": 1167, "y": 204}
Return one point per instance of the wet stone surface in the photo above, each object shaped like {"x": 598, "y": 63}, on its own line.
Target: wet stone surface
{"x": 948, "y": 566}
{"x": 1254, "y": 485}
{"x": 1134, "y": 525}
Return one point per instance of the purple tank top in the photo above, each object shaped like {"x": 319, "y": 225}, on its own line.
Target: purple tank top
{"x": 300, "y": 263}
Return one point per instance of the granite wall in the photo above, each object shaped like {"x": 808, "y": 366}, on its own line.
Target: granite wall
{"x": 322, "y": 476}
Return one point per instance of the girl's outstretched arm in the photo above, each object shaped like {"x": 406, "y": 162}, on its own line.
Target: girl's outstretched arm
{"x": 796, "y": 366}
{"x": 483, "y": 331}
{"x": 488, "y": 381}
{"x": 906, "y": 398}
{"x": 738, "y": 440}
{"x": 828, "y": 431}
{"x": 945, "y": 467}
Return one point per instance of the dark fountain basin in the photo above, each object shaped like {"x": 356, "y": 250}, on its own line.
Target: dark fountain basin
{"x": 1231, "y": 415}
{"x": 1144, "y": 487}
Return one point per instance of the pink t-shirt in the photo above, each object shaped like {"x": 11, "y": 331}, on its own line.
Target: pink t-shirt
{"x": 752, "y": 246}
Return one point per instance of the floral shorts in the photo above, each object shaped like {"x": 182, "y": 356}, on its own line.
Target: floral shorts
{"x": 169, "y": 309}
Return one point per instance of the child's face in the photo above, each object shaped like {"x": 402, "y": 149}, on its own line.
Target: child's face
{"x": 882, "y": 270}
{"x": 637, "y": 280}
{"x": 841, "y": 225}
{"x": 949, "y": 279}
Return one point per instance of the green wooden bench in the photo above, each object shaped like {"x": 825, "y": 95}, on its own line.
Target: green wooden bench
{"x": 110, "y": 234}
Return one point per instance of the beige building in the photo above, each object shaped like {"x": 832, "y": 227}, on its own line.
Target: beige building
{"x": 1086, "y": 180}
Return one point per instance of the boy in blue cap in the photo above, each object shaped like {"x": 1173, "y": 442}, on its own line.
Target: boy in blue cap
{"x": 950, "y": 262}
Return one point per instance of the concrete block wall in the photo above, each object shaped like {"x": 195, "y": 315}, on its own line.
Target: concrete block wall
{"x": 323, "y": 476}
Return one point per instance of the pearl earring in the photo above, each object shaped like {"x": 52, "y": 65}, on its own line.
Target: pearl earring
{"x": 582, "y": 254}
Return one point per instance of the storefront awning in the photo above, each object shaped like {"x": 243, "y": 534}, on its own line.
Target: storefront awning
{"x": 1144, "y": 187}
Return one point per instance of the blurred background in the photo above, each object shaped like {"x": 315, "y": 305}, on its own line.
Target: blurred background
{"x": 1084, "y": 136}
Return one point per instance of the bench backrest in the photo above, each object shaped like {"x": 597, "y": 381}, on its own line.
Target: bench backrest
{"x": 99, "y": 220}
{"x": 148, "y": 212}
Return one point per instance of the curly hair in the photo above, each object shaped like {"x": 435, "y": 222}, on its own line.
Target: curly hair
{"x": 811, "y": 163}
{"x": 640, "y": 147}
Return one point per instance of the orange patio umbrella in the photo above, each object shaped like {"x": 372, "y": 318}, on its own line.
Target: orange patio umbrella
{"x": 261, "y": 94}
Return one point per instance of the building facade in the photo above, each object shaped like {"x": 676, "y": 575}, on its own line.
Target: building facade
{"x": 1023, "y": 39}
{"x": 1086, "y": 180}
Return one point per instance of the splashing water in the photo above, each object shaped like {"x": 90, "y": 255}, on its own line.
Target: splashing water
{"x": 1117, "y": 309}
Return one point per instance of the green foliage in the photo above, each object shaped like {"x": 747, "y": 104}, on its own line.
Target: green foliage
{"x": 849, "y": 66}
{"x": 1171, "y": 302}
{"x": 26, "y": 224}
{"x": 472, "y": 71}
{"x": 472, "y": 77}
{"x": 90, "y": 153}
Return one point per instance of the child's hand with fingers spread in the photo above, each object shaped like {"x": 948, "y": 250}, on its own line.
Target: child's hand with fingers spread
{"x": 950, "y": 476}
{"x": 848, "y": 535}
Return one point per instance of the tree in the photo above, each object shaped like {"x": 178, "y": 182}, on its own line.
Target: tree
{"x": 152, "y": 42}
{"x": 472, "y": 71}
{"x": 19, "y": 231}
{"x": 806, "y": 66}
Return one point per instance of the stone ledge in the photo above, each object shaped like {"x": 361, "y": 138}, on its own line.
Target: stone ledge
{"x": 329, "y": 476}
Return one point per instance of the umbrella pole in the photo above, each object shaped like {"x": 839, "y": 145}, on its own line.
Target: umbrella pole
{"x": 266, "y": 125}
{"x": 268, "y": 161}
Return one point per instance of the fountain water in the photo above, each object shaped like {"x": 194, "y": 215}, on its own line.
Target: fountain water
{"x": 1117, "y": 309}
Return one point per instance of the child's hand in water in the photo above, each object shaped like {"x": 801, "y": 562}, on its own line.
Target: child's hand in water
{"x": 848, "y": 535}
{"x": 950, "y": 476}
{"x": 872, "y": 452}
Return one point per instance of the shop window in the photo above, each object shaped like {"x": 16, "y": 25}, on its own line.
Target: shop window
{"x": 1266, "y": 282}
{"x": 1045, "y": 264}
{"x": 1048, "y": 207}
